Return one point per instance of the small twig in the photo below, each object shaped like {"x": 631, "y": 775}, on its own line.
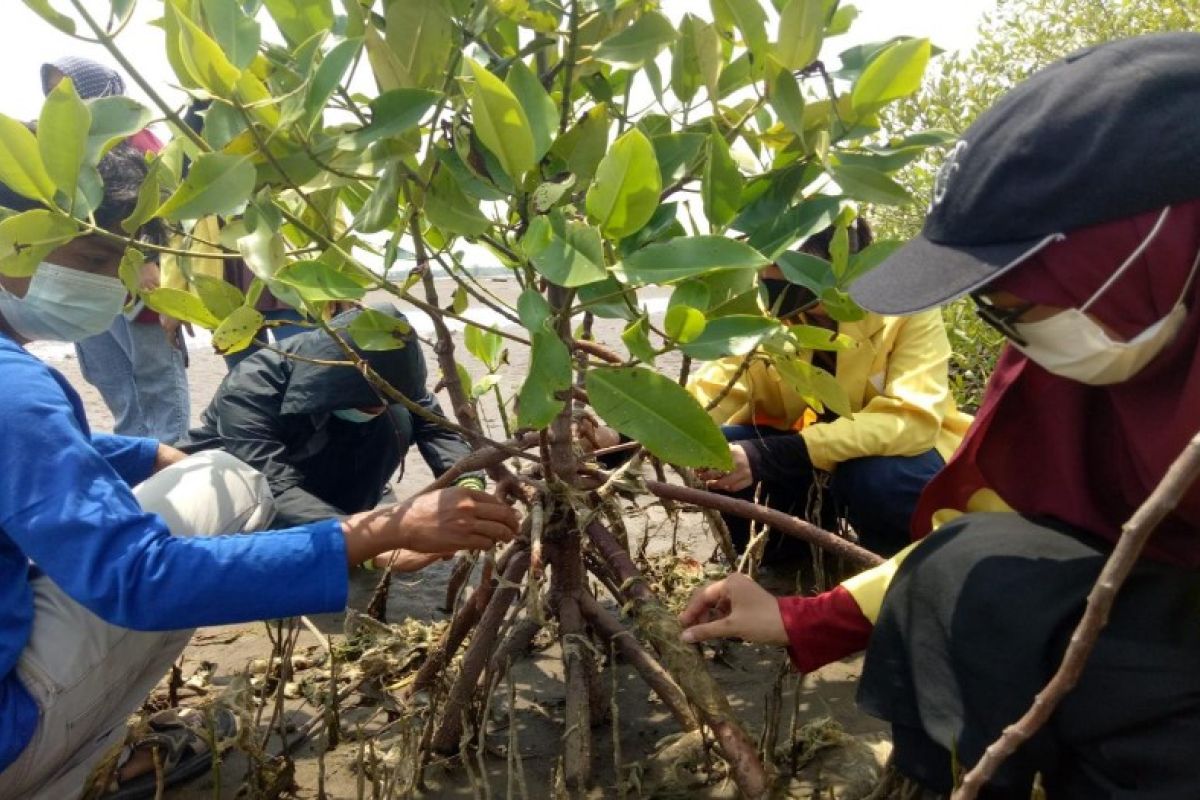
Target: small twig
{"x": 1134, "y": 535}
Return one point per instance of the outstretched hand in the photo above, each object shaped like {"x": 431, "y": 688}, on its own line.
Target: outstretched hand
{"x": 733, "y": 607}
{"x": 441, "y": 523}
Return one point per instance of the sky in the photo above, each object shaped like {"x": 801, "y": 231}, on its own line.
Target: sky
{"x": 26, "y": 41}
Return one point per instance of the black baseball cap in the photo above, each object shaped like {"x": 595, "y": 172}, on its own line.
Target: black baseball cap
{"x": 1108, "y": 132}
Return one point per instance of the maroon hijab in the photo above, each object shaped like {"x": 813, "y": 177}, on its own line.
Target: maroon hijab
{"x": 1090, "y": 455}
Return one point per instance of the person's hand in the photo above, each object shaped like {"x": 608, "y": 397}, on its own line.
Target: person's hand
{"x": 733, "y": 607}
{"x": 738, "y": 478}
{"x": 441, "y": 522}
{"x": 171, "y": 328}
{"x": 593, "y": 436}
{"x": 148, "y": 277}
{"x": 407, "y": 560}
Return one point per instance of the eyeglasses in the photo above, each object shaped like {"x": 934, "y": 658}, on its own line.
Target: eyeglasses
{"x": 1002, "y": 319}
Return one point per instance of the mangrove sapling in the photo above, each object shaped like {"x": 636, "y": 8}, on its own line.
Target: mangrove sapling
{"x": 526, "y": 130}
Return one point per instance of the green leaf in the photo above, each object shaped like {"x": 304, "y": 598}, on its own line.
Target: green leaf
{"x": 637, "y": 44}
{"x": 842, "y": 19}
{"x": 793, "y": 225}
{"x": 695, "y": 294}
{"x": 816, "y": 387}
{"x": 685, "y": 61}
{"x": 684, "y": 323}
{"x": 113, "y": 120}
{"x": 62, "y": 137}
{"x": 626, "y": 190}
{"x": 868, "y": 259}
{"x": 447, "y": 207}
{"x": 236, "y": 32}
{"x": 583, "y": 146}
{"x": 420, "y": 35}
{"x": 21, "y": 167}
{"x": 788, "y": 102}
{"x": 663, "y": 262}
{"x": 801, "y": 29}
{"x": 636, "y": 337}
{"x": 149, "y": 199}
{"x": 892, "y": 74}
{"x": 317, "y": 281}
{"x": 607, "y": 299}
{"x": 181, "y": 305}
{"x": 394, "y": 113}
{"x": 735, "y": 335}
{"x": 549, "y": 365}
{"x": 52, "y": 15}
{"x": 539, "y": 108}
{"x": 237, "y": 330}
{"x": 811, "y": 337}
{"x": 721, "y": 188}
{"x": 658, "y": 413}
{"x": 218, "y": 183}
{"x": 803, "y": 269}
{"x": 327, "y": 78}
{"x": 299, "y": 20}
{"x": 219, "y": 296}
{"x": 203, "y": 58}
{"x": 28, "y": 237}
{"x": 487, "y": 346}
{"x": 869, "y": 185}
{"x": 748, "y": 17}
{"x": 500, "y": 122}
{"x": 373, "y": 331}
{"x": 382, "y": 204}
{"x": 840, "y": 306}
{"x": 567, "y": 253}
{"x": 263, "y": 251}
{"x": 677, "y": 154}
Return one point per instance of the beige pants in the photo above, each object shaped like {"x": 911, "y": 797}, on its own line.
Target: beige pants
{"x": 87, "y": 676}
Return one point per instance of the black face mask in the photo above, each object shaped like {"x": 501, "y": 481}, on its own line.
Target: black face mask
{"x": 786, "y": 299}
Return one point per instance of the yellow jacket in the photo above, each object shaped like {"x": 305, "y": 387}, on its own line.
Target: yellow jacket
{"x": 897, "y": 380}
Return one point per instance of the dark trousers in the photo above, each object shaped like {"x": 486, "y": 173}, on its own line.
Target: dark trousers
{"x": 875, "y": 494}
{"x": 975, "y": 623}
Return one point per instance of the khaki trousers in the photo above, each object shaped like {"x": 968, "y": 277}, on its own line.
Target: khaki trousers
{"x": 87, "y": 676}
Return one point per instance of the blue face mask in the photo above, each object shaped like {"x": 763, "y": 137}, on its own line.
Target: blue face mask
{"x": 355, "y": 415}
{"x": 63, "y": 304}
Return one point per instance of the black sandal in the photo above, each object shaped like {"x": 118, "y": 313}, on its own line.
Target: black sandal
{"x": 183, "y": 738}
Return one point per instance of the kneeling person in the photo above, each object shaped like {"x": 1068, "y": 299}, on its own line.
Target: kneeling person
{"x": 322, "y": 435}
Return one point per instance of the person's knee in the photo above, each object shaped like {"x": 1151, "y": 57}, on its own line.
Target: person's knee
{"x": 209, "y": 493}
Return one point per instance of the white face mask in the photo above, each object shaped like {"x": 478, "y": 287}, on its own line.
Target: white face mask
{"x": 63, "y": 304}
{"x": 355, "y": 415}
{"x": 1073, "y": 345}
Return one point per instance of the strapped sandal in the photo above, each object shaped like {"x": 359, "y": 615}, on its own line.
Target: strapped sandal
{"x": 183, "y": 738}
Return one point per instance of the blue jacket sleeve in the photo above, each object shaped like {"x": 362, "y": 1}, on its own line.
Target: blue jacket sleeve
{"x": 131, "y": 457}
{"x": 70, "y": 512}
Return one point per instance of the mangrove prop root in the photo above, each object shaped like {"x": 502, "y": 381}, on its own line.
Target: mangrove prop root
{"x": 448, "y": 736}
{"x": 784, "y": 523}
{"x": 460, "y": 626}
{"x": 464, "y": 565}
{"x": 657, "y": 678}
{"x": 685, "y": 663}
{"x": 1134, "y": 535}
{"x": 577, "y": 736}
{"x": 515, "y": 644}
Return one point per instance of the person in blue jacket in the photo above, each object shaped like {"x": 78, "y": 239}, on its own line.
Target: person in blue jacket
{"x": 112, "y": 549}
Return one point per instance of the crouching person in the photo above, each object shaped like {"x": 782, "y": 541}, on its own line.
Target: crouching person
{"x": 112, "y": 549}
{"x": 1097, "y": 393}
{"x": 905, "y": 423}
{"x": 326, "y": 440}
